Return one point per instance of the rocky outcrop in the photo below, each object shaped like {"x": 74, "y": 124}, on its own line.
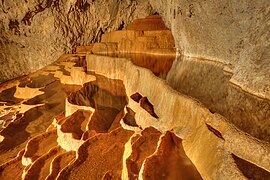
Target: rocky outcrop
{"x": 231, "y": 32}
{"x": 202, "y": 80}
{"x": 90, "y": 140}
{"x": 126, "y": 122}
{"x": 36, "y": 33}
{"x": 209, "y": 82}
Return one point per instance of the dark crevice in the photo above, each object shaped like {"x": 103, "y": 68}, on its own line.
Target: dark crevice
{"x": 136, "y": 97}
{"x": 191, "y": 11}
{"x": 249, "y": 170}
{"x": 98, "y": 35}
{"x": 14, "y": 25}
{"x": 121, "y": 26}
{"x": 216, "y": 132}
{"x": 39, "y": 8}
{"x": 146, "y": 105}
{"x": 81, "y": 5}
{"x": 212, "y": 111}
{"x": 129, "y": 118}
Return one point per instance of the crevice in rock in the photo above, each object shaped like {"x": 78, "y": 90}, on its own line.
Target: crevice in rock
{"x": 39, "y": 8}
{"x": 129, "y": 118}
{"x": 121, "y": 26}
{"x": 251, "y": 171}
{"x": 14, "y": 25}
{"x": 191, "y": 11}
{"x": 146, "y": 105}
{"x": 136, "y": 97}
{"x": 216, "y": 132}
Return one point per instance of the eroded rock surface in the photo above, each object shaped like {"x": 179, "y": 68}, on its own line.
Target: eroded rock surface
{"x": 124, "y": 122}
{"x": 209, "y": 82}
{"x": 234, "y": 33}
{"x": 36, "y": 33}
{"x": 169, "y": 161}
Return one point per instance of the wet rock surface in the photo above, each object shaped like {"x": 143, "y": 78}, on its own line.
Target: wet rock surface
{"x": 106, "y": 117}
{"x": 36, "y": 33}
{"x": 95, "y": 134}
{"x": 142, "y": 147}
{"x": 250, "y": 170}
{"x": 228, "y": 32}
{"x": 169, "y": 161}
{"x": 209, "y": 82}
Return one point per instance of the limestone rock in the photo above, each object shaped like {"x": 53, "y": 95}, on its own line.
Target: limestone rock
{"x": 35, "y": 33}
{"x": 231, "y": 32}
{"x": 169, "y": 161}
{"x": 126, "y": 122}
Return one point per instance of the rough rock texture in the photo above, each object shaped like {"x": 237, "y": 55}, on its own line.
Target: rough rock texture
{"x": 189, "y": 120}
{"x": 209, "y": 82}
{"x": 235, "y": 33}
{"x": 35, "y": 33}
{"x": 168, "y": 135}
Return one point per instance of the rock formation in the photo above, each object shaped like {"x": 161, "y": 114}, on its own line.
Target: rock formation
{"x": 133, "y": 106}
{"x": 35, "y": 33}
{"x": 233, "y": 33}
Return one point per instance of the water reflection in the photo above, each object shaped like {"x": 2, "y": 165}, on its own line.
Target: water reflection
{"x": 159, "y": 64}
{"x": 208, "y": 82}
{"x": 19, "y": 128}
{"x": 106, "y": 96}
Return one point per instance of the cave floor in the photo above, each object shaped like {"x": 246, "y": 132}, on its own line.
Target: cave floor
{"x": 125, "y": 108}
{"x": 33, "y": 104}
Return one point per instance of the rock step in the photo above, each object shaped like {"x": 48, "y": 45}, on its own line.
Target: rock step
{"x": 59, "y": 163}
{"x": 102, "y": 92}
{"x": 143, "y": 146}
{"x": 106, "y": 97}
{"x": 141, "y": 36}
{"x": 38, "y": 146}
{"x": 120, "y": 35}
{"x": 99, "y": 157}
{"x": 169, "y": 161}
{"x": 105, "y": 48}
{"x": 71, "y": 129}
{"x": 84, "y": 49}
{"x": 76, "y": 124}
{"x": 131, "y": 42}
{"x": 40, "y": 169}
{"x": 150, "y": 23}
{"x": 13, "y": 169}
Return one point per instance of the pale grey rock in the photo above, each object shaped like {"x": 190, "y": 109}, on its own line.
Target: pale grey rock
{"x": 208, "y": 82}
{"x": 234, "y": 32}
{"x": 34, "y": 33}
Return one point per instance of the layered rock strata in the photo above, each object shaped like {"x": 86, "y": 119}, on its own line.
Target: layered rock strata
{"x": 35, "y": 33}
{"x": 234, "y": 33}
{"x": 119, "y": 119}
{"x": 73, "y": 142}
{"x": 188, "y": 119}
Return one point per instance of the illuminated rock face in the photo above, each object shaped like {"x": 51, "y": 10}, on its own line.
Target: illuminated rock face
{"x": 233, "y": 33}
{"x": 35, "y": 33}
{"x": 148, "y": 43}
{"x": 209, "y": 82}
{"x": 90, "y": 116}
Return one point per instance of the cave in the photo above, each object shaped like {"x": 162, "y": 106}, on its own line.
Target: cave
{"x": 93, "y": 89}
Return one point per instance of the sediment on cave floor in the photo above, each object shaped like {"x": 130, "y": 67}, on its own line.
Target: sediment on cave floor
{"x": 110, "y": 111}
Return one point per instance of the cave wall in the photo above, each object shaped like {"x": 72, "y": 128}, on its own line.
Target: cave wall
{"x": 34, "y": 33}
{"x": 235, "y": 33}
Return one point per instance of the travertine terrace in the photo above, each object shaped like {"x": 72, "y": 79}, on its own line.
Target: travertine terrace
{"x": 131, "y": 107}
